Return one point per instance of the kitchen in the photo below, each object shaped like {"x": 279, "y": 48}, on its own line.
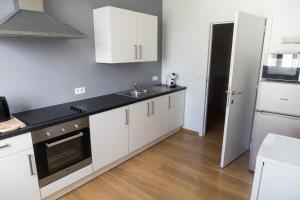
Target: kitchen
{"x": 98, "y": 97}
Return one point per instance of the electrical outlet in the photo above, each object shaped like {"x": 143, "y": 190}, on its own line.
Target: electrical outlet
{"x": 155, "y": 78}
{"x": 79, "y": 91}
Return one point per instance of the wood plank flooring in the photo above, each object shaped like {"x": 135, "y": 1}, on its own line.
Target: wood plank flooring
{"x": 183, "y": 167}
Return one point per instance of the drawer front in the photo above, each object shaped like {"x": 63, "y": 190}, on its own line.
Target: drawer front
{"x": 279, "y": 98}
{"x": 15, "y": 144}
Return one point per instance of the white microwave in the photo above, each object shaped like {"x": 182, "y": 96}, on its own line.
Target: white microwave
{"x": 281, "y": 67}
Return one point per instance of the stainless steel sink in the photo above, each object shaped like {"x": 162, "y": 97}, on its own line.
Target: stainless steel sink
{"x": 138, "y": 93}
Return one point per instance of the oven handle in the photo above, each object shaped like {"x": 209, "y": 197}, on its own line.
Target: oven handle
{"x": 64, "y": 140}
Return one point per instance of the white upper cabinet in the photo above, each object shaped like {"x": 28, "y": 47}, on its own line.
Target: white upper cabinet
{"x": 109, "y": 136}
{"x": 123, "y": 36}
{"x": 147, "y": 37}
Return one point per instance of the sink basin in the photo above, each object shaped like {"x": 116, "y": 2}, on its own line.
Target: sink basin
{"x": 138, "y": 93}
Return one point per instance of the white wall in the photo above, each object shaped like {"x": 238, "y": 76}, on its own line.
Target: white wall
{"x": 186, "y": 38}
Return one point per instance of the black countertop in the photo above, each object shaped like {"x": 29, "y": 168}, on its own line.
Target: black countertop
{"x": 90, "y": 106}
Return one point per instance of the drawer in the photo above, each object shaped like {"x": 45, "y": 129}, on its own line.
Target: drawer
{"x": 279, "y": 98}
{"x": 15, "y": 144}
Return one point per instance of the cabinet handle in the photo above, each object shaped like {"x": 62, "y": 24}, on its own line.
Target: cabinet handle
{"x": 148, "y": 109}
{"x": 153, "y": 107}
{"x": 126, "y": 116}
{"x": 31, "y": 165}
{"x": 169, "y": 97}
{"x": 4, "y": 146}
{"x": 141, "y": 51}
{"x": 135, "y": 52}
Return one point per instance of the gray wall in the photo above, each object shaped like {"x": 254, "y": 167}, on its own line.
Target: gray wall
{"x": 42, "y": 72}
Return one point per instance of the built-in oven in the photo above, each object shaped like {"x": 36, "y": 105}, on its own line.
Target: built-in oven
{"x": 61, "y": 150}
{"x": 281, "y": 67}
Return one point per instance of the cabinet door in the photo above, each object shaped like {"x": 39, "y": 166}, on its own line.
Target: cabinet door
{"x": 109, "y": 136}
{"x": 175, "y": 110}
{"x": 147, "y": 32}
{"x": 123, "y": 35}
{"x": 139, "y": 125}
{"x": 18, "y": 177}
{"x": 158, "y": 117}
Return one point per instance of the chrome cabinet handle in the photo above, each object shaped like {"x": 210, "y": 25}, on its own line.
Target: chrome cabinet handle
{"x": 169, "y": 102}
{"x": 64, "y": 140}
{"x": 141, "y": 51}
{"x": 153, "y": 107}
{"x": 148, "y": 109}
{"x": 135, "y": 52}
{"x": 4, "y": 146}
{"x": 126, "y": 116}
{"x": 30, "y": 157}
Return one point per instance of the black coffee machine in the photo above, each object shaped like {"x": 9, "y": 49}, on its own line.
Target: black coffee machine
{"x": 4, "y": 110}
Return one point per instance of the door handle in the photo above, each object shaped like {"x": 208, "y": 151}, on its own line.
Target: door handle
{"x": 64, "y": 140}
{"x": 234, "y": 92}
{"x": 169, "y": 102}
{"x": 148, "y": 109}
{"x": 153, "y": 107}
{"x": 4, "y": 146}
{"x": 237, "y": 92}
{"x": 135, "y": 52}
{"x": 126, "y": 116}
{"x": 141, "y": 51}
{"x": 31, "y": 165}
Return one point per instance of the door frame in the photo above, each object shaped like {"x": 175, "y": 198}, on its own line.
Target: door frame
{"x": 208, "y": 72}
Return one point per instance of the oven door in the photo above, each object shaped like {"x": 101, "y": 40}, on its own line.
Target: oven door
{"x": 277, "y": 73}
{"x": 281, "y": 67}
{"x": 59, "y": 157}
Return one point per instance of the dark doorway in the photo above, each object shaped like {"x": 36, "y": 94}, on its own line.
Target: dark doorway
{"x": 220, "y": 57}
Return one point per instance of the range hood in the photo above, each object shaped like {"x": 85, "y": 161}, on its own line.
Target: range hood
{"x": 30, "y": 20}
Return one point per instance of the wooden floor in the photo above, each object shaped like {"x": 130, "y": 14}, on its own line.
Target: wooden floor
{"x": 183, "y": 167}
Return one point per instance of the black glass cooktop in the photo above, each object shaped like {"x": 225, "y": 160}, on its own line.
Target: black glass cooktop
{"x": 44, "y": 115}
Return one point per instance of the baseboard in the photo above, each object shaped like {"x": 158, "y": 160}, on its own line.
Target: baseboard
{"x": 190, "y": 131}
{"x": 95, "y": 174}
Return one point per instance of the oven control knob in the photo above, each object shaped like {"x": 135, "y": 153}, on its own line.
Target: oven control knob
{"x": 63, "y": 130}
{"x": 49, "y": 134}
{"x": 76, "y": 126}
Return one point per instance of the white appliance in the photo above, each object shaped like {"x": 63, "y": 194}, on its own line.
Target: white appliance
{"x": 277, "y": 174}
{"x": 282, "y": 67}
{"x": 277, "y": 111}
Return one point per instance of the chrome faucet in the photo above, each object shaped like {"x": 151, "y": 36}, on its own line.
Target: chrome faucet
{"x": 136, "y": 86}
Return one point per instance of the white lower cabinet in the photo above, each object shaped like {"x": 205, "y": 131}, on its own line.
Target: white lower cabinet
{"x": 147, "y": 122}
{"x": 18, "y": 178}
{"x": 158, "y": 117}
{"x": 175, "y": 110}
{"x": 109, "y": 136}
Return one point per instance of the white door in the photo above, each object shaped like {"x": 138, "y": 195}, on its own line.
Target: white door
{"x": 175, "y": 110}
{"x": 109, "y": 136}
{"x": 123, "y": 35}
{"x": 140, "y": 132}
{"x": 158, "y": 117}
{"x": 147, "y": 33}
{"x": 246, "y": 56}
{"x": 18, "y": 178}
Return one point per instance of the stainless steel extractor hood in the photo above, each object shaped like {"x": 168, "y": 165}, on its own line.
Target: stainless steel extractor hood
{"x": 30, "y": 20}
